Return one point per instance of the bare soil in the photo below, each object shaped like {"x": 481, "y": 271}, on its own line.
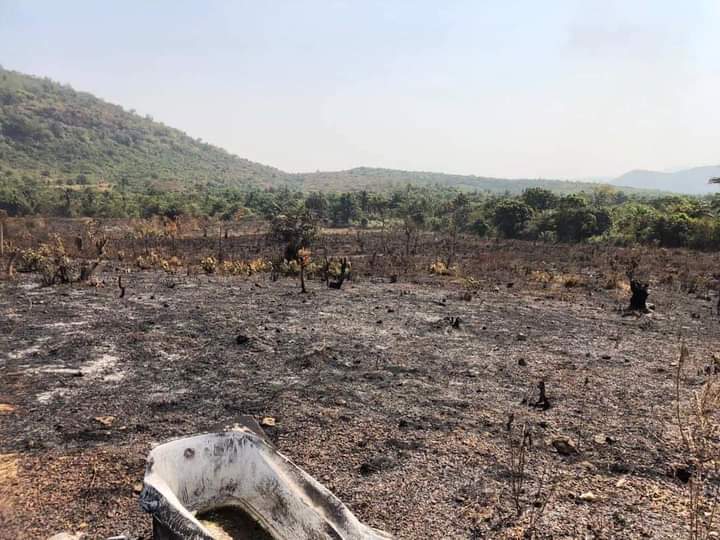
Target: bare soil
{"x": 377, "y": 391}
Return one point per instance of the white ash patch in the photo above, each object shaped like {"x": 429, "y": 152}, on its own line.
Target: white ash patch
{"x": 104, "y": 362}
{"x": 29, "y": 285}
{"x": 115, "y": 377}
{"x": 23, "y": 353}
{"x": 64, "y": 325}
{"x": 169, "y": 357}
{"x": 46, "y": 397}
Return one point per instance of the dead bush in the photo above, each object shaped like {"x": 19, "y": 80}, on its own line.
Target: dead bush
{"x": 698, "y": 421}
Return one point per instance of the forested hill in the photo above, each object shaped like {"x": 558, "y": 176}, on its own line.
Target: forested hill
{"x": 374, "y": 179}
{"x": 65, "y": 137}
{"x": 54, "y": 139}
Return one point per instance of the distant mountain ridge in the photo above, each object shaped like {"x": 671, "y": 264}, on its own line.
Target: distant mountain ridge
{"x": 66, "y": 138}
{"x": 373, "y": 179}
{"x": 692, "y": 181}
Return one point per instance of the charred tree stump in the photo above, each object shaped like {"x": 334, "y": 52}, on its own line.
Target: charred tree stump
{"x": 87, "y": 271}
{"x": 341, "y": 278}
{"x": 10, "y": 269}
{"x": 542, "y": 402}
{"x": 638, "y": 300}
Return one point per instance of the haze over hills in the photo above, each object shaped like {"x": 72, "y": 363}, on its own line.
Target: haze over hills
{"x": 693, "y": 181}
{"x": 64, "y": 137}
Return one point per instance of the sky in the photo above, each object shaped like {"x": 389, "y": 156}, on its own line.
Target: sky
{"x": 506, "y": 88}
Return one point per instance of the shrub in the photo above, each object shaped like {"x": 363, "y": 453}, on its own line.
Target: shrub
{"x": 209, "y": 265}
{"x": 439, "y": 268}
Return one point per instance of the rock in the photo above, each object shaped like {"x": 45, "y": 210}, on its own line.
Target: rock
{"x": 268, "y": 421}
{"x": 588, "y": 496}
{"x": 67, "y": 536}
{"x": 601, "y": 438}
{"x": 521, "y": 337}
{"x": 620, "y": 483}
{"x": 564, "y": 446}
{"x": 376, "y": 464}
{"x": 241, "y": 339}
{"x": 522, "y": 362}
{"x": 137, "y": 487}
{"x": 106, "y": 421}
{"x": 6, "y": 408}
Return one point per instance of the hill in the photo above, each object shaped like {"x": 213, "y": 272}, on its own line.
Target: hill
{"x": 66, "y": 138}
{"x": 52, "y": 131}
{"x": 693, "y": 181}
{"x": 371, "y": 179}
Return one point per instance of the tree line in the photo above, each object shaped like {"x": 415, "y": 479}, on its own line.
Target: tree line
{"x": 603, "y": 215}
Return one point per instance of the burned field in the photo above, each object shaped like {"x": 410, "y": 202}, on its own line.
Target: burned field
{"x": 405, "y": 393}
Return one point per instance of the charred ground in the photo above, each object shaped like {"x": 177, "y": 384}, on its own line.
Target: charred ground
{"x": 396, "y": 395}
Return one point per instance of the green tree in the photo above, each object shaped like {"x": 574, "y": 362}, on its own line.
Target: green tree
{"x": 296, "y": 229}
{"x": 540, "y": 198}
{"x": 511, "y": 216}
{"x": 575, "y": 224}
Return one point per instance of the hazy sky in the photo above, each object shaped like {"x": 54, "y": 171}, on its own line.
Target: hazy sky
{"x": 506, "y": 88}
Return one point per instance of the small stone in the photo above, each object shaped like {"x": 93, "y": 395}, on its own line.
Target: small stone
{"x": 601, "y": 438}
{"x": 137, "y": 487}
{"x": 268, "y": 421}
{"x": 620, "y": 483}
{"x": 106, "y": 421}
{"x": 588, "y": 496}
{"x": 521, "y": 337}
{"x": 564, "y": 446}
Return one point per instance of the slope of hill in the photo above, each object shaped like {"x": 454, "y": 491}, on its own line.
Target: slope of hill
{"x": 63, "y": 137}
{"x": 371, "y": 179}
{"x": 693, "y": 181}
{"x": 67, "y": 137}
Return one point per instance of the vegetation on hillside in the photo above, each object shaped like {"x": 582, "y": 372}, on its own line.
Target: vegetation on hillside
{"x": 374, "y": 179}
{"x": 54, "y": 136}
